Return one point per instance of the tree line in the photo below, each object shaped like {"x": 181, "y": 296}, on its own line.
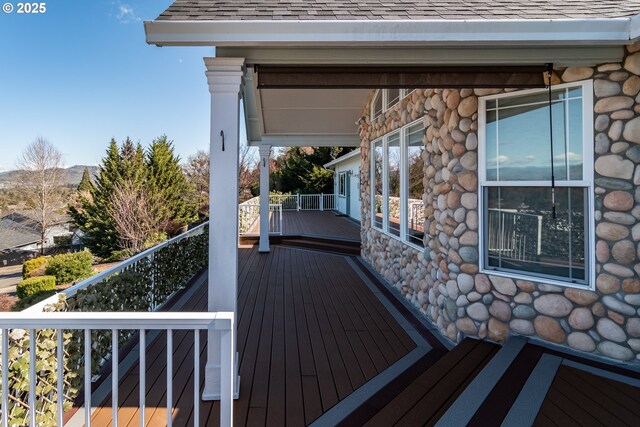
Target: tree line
{"x": 142, "y": 196}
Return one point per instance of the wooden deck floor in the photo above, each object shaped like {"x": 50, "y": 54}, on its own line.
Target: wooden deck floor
{"x": 310, "y": 332}
{"x": 577, "y": 398}
{"x": 315, "y": 223}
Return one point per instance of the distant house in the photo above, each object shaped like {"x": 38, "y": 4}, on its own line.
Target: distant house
{"x": 346, "y": 183}
{"x": 20, "y": 233}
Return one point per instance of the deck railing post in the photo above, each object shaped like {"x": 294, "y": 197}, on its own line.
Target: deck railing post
{"x": 298, "y": 201}
{"x": 321, "y": 201}
{"x": 265, "y": 151}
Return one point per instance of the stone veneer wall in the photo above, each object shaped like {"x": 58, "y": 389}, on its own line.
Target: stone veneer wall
{"x": 444, "y": 282}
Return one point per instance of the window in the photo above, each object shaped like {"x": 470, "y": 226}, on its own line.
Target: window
{"x": 393, "y": 96}
{"x": 384, "y": 99}
{"x": 342, "y": 184}
{"x": 393, "y": 184}
{"x": 376, "y": 106}
{"x": 520, "y": 234}
{"x": 377, "y": 184}
{"x": 414, "y": 146}
{"x": 397, "y": 171}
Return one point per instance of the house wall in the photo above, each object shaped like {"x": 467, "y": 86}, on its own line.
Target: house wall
{"x": 352, "y": 167}
{"x": 444, "y": 282}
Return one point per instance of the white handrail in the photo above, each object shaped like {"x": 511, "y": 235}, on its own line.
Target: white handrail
{"x": 115, "y": 321}
{"x": 72, "y": 290}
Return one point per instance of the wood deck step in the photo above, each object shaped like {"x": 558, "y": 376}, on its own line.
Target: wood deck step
{"x": 429, "y": 396}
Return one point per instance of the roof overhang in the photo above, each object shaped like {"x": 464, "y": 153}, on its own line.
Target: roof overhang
{"x": 346, "y": 33}
{"x": 341, "y": 159}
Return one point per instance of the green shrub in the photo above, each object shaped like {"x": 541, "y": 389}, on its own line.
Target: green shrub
{"x": 29, "y": 266}
{"x": 27, "y": 302}
{"x": 70, "y": 267}
{"x": 35, "y": 285}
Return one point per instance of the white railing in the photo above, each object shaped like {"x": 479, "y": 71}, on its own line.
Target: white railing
{"x": 124, "y": 265}
{"x": 289, "y": 202}
{"x": 416, "y": 215}
{"x": 249, "y": 214}
{"x": 275, "y": 219}
{"x": 115, "y": 321}
{"x": 305, "y": 202}
{"x": 515, "y": 235}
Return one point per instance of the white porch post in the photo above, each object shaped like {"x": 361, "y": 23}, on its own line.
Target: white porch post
{"x": 264, "y": 198}
{"x": 224, "y": 76}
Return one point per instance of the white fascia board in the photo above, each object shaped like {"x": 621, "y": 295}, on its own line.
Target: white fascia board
{"x": 388, "y": 32}
{"x": 307, "y": 141}
{"x": 341, "y": 159}
{"x": 634, "y": 30}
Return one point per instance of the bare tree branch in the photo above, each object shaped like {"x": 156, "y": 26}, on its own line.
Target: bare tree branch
{"x": 42, "y": 182}
{"x": 133, "y": 215}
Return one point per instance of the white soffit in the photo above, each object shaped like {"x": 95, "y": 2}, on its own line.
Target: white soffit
{"x": 311, "y": 111}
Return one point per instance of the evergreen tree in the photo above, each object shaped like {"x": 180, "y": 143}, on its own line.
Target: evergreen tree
{"x": 168, "y": 187}
{"x": 85, "y": 183}
{"x": 300, "y": 170}
{"x": 156, "y": 174}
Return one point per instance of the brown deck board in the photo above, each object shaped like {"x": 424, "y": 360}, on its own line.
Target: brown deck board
{"x": 307, "y": 338}
{"x": 433, "y": 391}
{"x": 435, "y": 403}
{"x": 315, "y": 223}
{"x": 588, "y": 399}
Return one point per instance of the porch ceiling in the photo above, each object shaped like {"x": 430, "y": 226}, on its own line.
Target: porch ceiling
{"x": 302, "y": 117}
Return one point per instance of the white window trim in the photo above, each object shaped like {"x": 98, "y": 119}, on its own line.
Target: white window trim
{"x": 372, "y": 179}
{"x": 384, "y": 93}
{"x": 402, "y": 132}
{"x": 587, "y": 182}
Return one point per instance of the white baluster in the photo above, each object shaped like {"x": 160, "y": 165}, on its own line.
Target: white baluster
{"x": 114, "y": 377}
{"x": 87, "y": 377}
{"x": 142, "y": 374}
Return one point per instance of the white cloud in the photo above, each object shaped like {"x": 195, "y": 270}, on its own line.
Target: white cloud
{"x": 126, "y": 14}
{"x": 571, "y": 156}
{"x": 499, "y": 159}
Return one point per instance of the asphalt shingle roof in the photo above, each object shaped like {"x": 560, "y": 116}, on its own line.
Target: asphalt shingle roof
{"x": 206, "y": 10}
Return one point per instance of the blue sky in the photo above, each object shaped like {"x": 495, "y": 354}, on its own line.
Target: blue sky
{"x": 82, "y": 73}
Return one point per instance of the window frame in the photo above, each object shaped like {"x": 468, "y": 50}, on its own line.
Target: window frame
{"x": 587, "y": 182}
{"x": 383, "y": 95}
{"x": 383, "y": 140}
{"x": 342, "y": 184}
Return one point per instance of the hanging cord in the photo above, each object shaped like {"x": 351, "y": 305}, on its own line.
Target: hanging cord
{"x": 553, "y": 178}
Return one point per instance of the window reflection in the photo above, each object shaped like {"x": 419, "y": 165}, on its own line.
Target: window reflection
{"x": 522, "y": 234}
{"x": 393, "y": 183}
{"x": 377, "y": 165}
{"x": 517, "y": 137}
{"x": 415, "y": 189}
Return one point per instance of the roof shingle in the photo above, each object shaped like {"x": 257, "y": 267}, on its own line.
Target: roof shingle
{"x": 210, "y": 10}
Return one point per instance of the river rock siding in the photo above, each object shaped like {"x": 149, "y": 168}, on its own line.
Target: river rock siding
{"x": 444, "y": 282}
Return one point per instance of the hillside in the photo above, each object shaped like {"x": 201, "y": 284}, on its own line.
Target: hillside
{"x": 72, "y": 176}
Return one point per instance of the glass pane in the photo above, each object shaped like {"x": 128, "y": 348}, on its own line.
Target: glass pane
{"x": 415, "y": 172}
{"x": 393, "y": 95}
{"x": 518, "y": 143}
{"x": 575, "y": 139}
{"x": 377, "y": 104}
{"x": 492, "y": 145}
{"x": 521, "y": 234}
{"x": 377, "y": 179}
{"x": 393, "y": 183}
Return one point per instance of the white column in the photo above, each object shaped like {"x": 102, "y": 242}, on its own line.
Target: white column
{"x": 224, "y": 76}
{"x": 264, "y": 198}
